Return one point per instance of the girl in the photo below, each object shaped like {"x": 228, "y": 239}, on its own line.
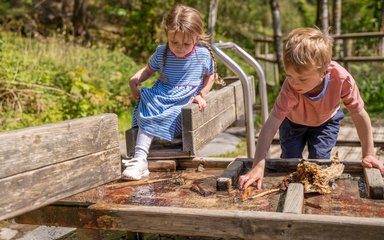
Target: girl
{"x": 187, "y": 72}
{"x": 307, "y": 109}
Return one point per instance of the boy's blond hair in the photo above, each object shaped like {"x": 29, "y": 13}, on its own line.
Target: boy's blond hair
{"x": 306, "y": 49}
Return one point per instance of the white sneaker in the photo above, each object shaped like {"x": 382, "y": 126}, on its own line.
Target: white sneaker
{"x": 136, "y": 169}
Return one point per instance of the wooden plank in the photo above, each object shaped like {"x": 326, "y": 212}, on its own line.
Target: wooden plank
{"x": 194, "y": 140}
{"x": 169, "y": 153}
{"x": 35, "y": 147}
{"x": 159, "y": 149}
{"x": 217, "y": 102}
{"x": 130, "y": 140}
{"x": 375, "y": 183}
{"x": 162, "y": 166}
{"x": 230, "y": 176}
{"x": 206, "y": 162}
{"x": 294, "y": 199}
{"x": 30, "y": 190}
{"x": 207, "y": 222}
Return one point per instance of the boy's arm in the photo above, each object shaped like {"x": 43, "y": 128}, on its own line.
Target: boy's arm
{"x": 364, "y": 130}
{"x": 256, "y": 174}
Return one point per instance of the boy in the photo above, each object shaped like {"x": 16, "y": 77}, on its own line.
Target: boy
{"x": 307, "y": 109}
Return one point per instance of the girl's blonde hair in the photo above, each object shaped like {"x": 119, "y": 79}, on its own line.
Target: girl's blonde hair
{"x": 307, "y": 48}
{"x": 189, "y": 21}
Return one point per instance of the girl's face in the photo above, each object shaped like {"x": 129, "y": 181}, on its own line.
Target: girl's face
{"x": 306, "y": 82}
{"x": 180, "y": 43}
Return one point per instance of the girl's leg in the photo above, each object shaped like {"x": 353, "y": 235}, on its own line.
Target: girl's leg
{"x": 292, "y": 139}
{"x": 143, "y": 143}
{"x": 137, "y": 167}
{"x": 322, "y": 139}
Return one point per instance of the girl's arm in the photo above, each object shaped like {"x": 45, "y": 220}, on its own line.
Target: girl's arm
{"x": 256, "y": 174}
{"x": 364, "y": 130}
{"x": 208, "y": 83}
{"x": 135, "y": 81}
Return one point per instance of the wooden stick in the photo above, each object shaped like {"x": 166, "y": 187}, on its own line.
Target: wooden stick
{"x": 136, "y": 183}
{"x": 264, "y": 193}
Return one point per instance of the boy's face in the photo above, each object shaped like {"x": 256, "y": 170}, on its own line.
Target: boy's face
{"x": 305, "y": 82}
{"x": 180, "y": 44}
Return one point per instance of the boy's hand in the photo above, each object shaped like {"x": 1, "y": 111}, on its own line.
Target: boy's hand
{"x": 254, "y": 176}
{"x": 201, "y": 101}
{"x": 134, "y": 83}
{"x": 371, "y": 162}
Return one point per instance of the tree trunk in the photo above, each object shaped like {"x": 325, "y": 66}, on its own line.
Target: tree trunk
{"x": 322, "y": 15}
{"x": 212, "y": 18}
{"x": 79, "y": 18}
{"x": 382, "y": 28}
{"x": 277, "y": 34}
{"x": 337, "y": 24}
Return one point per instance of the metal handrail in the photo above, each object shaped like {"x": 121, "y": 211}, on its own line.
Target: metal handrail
{"x": 246, "y": 85}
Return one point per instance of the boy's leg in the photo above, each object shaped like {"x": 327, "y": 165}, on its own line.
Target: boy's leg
{"x": 292, "y": 139}
{"x": 322, "y": 139}
{"x": 137, "y": 167}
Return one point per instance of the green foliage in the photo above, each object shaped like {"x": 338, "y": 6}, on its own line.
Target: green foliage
{"x": 370, "y": 79}
{"x": 366, "y": 19}
{"x": 54, "y": 81}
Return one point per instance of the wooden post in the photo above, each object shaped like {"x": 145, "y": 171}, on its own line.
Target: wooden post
{"x": 347, "y": 50}
{"x": 230, "y": 175}
{"x": 375, "y": 183}
{"x": 294, "y": 200}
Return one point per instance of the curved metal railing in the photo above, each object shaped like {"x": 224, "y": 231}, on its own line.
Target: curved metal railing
{"x": 247, "y": 89}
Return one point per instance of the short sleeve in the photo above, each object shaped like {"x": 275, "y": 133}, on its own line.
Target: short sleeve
{"x": 155, "y": 59}
{"x": 285, "y": 102}
{"x": 351, "y": 96}
{"x": 209, "y": 65}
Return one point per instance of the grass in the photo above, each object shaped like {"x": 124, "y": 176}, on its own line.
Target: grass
{"x": 51, "y": 80}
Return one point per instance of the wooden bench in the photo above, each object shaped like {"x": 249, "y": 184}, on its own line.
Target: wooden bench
{"x": 225, "y": 107}
{"x": 40, "y": 165}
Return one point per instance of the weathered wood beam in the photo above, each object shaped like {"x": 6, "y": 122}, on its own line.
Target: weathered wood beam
{"x": 35, "y": 147}
{"x": 230, "y": 176}
{"x": 207, "y": 162}
{"x": 294, "y": 199}
{"x": 162, "y": 165}
{"x": 30, "y": 190}
{"x": 375, "y": 183}
{"x": 40, "y": 165}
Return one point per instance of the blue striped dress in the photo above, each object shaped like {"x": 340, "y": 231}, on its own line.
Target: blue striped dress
{"x": 158, "y": 111}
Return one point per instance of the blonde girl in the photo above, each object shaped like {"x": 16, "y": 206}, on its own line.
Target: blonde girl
{"x": 187, "y": 70}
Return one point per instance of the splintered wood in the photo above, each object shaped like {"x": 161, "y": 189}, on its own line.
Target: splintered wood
{"x": 314, "y": 177}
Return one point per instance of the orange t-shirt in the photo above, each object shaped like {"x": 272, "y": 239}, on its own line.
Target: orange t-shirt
{"x": 302, "y": 110}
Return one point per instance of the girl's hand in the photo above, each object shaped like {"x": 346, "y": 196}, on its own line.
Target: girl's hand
{"x": 134, "y": 83}
{"x": 253, "y": 177}
{"x": 371, "y": 162}
{"x": 201, "y": 101}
